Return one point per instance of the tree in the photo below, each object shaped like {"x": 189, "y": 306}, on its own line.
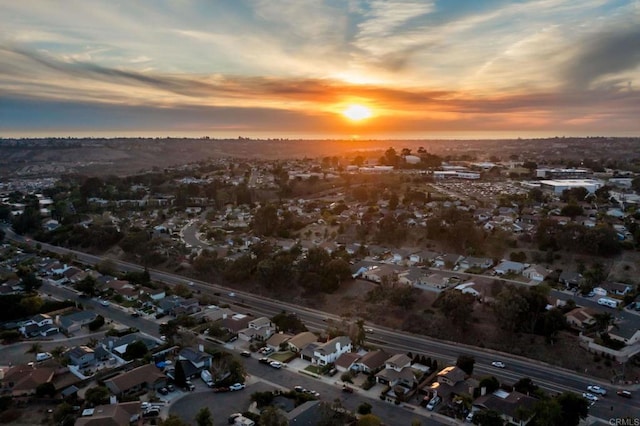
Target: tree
{"x": 34, "y": 348}
{"x": 87, "y": 285}
{"x": 369, "y": 420}
{"x": 97, "y": 395}
{"x": 490, "y": 383}
{"x": 203, "y": 418}
{"x": 265, "y": 220}
{"x": 30, "y": 282}
{"x": 364, "y": 408}
{"x": 360, "y": 334}
{"x": 525, "y": 386}
{"x": 136, "y": 350}
{"x": 574, "y": 407}
{"x": 465, "y": 363}
{"x": 488, "y": 418}
{"x": 272, "y": 416}
{"x": 96, "y": 323}
{"x": 45, "y": 389}
{"x": 457, "y": 307}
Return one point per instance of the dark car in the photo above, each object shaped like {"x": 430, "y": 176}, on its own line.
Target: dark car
{"x": 135, "y": 314}
{"x": 264, "y": 361}
{"x": 245, "y": 354}
{"x": 170, "y": 387}
{"x": 152, "y": 412}
{"x": 163, "y": 391}
{"x": 160, "y": 315}
{"x": 347, "y": 389}
{"x": 624, "y": 393}
{"x": 220, "y": 389}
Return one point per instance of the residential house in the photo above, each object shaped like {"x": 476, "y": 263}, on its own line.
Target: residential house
{"x": 154, "y": 294}
{"x": 301, "y": 340}
{"x": 72, "y": 323}
{"x": 377, "y": 273}
{"x": 22, "y": 379}
{"x": 187, "y": 307}
{"x": 397, "y": 371}
{"x": 346, "y": 361}
{"x": 435, "y": 281}
{"x": 119, "y": 344}
{"x": 124, "y": 288}
{"x": 509, "y": 267}
{"x": 451, "y": 375}
{"x": 422, "y": 257}
{"x": 468, "y": 288}
{"x": 449, "y": 261}
{"x": 236, "y": 322}
{"x": 625, "y": 332}
{"x": 510, "y": 406}
{"x": 371, "y": 361}
{"x": 398, "y": 256}
{"x": 581, "y": 318}
{"x": 200, "y": 360}
{"x": 39, "y": 325}
{"x": 619, "y": 289}
{"x": 536, "y": 273}
{"x": 570, "y": 279}
{"x": 476, "y": 262}
{"x": 123, "y": 413}
{"x": 146, "y": 377}
{"x": 258, "y": 329}
{"x": 278, "y": 339}
{"x": 168, "y": 304}
{"x": 330, "y": 351}
{"x": 82, "y": 356}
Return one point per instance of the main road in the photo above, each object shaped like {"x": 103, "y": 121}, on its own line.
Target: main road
{"x": 548, "y": 377}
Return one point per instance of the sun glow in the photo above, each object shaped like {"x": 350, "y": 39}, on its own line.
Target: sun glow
{"x": 357, "y": 112}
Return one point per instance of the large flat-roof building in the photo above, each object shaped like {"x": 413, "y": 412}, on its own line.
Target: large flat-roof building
{"x": 559, "y": 185}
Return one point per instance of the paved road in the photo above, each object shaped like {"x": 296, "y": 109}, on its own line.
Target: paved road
{"x": 549, "y": 377}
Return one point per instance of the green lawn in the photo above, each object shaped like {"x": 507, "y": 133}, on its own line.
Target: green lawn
{"x": 281, "y": 356}
{"x": 314, "y": 369}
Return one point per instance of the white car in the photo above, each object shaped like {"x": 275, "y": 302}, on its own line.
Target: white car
{"x": 276, "y": 364}
{"x": 591, "y": 397}
{"x": 498, "y": 364}
{"x": 105, "y": 303}
{"x": 236, "y": 387}
{"x": 597, "y": 389}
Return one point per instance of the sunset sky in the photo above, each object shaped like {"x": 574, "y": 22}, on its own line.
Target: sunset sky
{"x": 251, "y": 67}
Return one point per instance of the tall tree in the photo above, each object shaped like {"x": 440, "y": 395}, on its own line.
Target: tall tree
{"x": 203, "y": 418}
{"x": 272, "y": 416}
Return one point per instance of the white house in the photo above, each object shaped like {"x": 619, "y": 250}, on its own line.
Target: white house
{"x": 536, "y": 273}
{"x": 507, "y": 266}
{"x": 330, "y": 351}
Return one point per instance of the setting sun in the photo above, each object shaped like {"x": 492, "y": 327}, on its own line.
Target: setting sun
{"x": 357, "y": 112}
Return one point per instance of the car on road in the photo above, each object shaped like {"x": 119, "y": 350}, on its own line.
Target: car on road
{"x": 624, "y": 393}
{"x": 275, "y": 364}
{"x": 245, "y": 354}
{"x": 498, "y": 364}
{"x": 368, "y": 330}
{"x": 589, "y": 396}
{"x": 597, "y": 390}
{"x": 264, "y": 360}
{"x": 236, "y": 387}
{"x": 105, "y": 303}
{"x": 232, "y": 294}
{"x": 191, "y": 284}
{"x": 135, "y": 314}
{"x": 347, "y": 389}
{"x": 163, "y": 391}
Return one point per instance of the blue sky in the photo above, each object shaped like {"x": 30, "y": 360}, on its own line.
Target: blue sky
{"x": 292, "y": 66}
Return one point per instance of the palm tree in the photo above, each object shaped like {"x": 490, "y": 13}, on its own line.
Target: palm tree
{"x": 35, "y": 348}
{"x": 603, "y": 320}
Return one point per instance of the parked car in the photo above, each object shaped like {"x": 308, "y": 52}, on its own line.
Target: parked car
{"x": 433, "y": 403}
{"x": 189, "y": 386}
{"x": 624, "y": 393}
{"x": 105, "y": 302}
{"x": 597, "y": 390}
{"x": 347, "y": 389}
{"x": 245, "y": 354}
{"x": 232, "y": 418}
{"x": 220, "y": 389}
{"x": 152, "y": 412}
{"x": 498, "y": 364}
{"x": 264, "y": 360}
{"x": 236, "y": 387}
{"x": 298, "y": 388}
{"x": 276, "y": 364}
{"x": 171, "y": 388}
{"x": 163, "y": 391}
